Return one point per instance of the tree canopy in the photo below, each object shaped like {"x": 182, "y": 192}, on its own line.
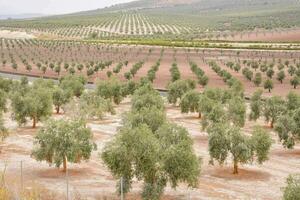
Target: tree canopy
{"x": 225, "y": 139}
{"x": 62, "y": 141}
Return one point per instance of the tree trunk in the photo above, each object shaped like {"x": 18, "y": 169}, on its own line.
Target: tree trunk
{"x": 65, "y": 164}
{"x": 235, "y": 167}
{"x": 57, "y": 109}
{"x": 272, "y": 124}
{"x": 200, "y": 115}
{"x": 34, "y": 122}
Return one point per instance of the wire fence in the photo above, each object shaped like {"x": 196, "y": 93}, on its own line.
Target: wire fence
{"x": 21, "y": 180}
{"x": 24, "y": 181}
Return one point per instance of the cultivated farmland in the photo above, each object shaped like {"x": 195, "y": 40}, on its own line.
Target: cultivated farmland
{"x": 152, "y": 99}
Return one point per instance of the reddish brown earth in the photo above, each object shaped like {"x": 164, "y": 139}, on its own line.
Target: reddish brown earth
{"x": 117, "y": 53}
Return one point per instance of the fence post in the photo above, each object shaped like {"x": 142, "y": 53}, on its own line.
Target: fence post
{"x": 22, "y": 179}
{"x": 122, "y": 197}
{"x": 67, "y": 180}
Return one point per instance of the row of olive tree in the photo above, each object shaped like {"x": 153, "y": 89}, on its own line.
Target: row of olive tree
{"x": 282, "y": 114}
{"x": 223, "y": 114}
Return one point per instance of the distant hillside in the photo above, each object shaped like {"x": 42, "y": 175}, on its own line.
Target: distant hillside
{"x": 21, "y": 16}
{"x": 180, "y": 19}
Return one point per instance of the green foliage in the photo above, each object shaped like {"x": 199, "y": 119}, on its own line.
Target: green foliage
{"x": 169, "y": 147}
{"x": 292, "y": 101}
{"x": 94, "y": 106}
{"x": 288, "y": 128}
{"x": 261, "y": 143}
{"x": 150, "y": 116}
{"x": 237, "y": 111}
{"x": 268, "y": 85}
{"x": 295, "y": 81}
{"x": 128, "y": 88}
{"x": 34, "y": 104}
{"x": 60, "y": 97}
{"x": 3, "y": 101}
{"x": 292, "y": 190}
{"x": 62, "y": 141}
{"x": 146, "y": 97}
{"x": 256, "y": 105}
{"x": 150, "y": 149}
{"x": 177, "y": 89}
{"x": 111, "y": 89}
{"x": 73, "y": 84}
{"x": 257, "y": 79}
{"x": 280, "y": 76}
{"x": 3, "y": 130}
{"x": 274, "y": 107}
{"x": 225, "y": 139}
{"x": 175, "y": 73}
{"x": 190, "y": 102}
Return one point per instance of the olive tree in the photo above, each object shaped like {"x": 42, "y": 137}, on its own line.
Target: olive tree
{"x": 280, "y": 76}
{"x": 256, "y": 105}
{"x": 295, "y": 81}
{"x": 268, "y": 85}
{"x": 288, "y": 128}
{"x": 177, "y": 89}
{"x": 36, "y": 104}
{"x": 111, "y": 89}
{"x": 146, "y": 97}
{"x": 237, "y": 111}
{"x": 60, "y": 97}
{"x": 137, "y": 152}
{"x": 225, "y": 139}
{"x": 73, "y": 84}
{"x": 190, "y": 102}
{"x": 292, "y": 189}
{"x": 273, "y": 108}
{"x": 62, "y": 141}
{"x": 94, "y": 106}
{"x": 3, "y": 130}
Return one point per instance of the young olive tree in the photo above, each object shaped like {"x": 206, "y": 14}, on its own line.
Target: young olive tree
{"x": 292, "y": 189}
{"x": 256, "y": 105}
{"x": 225, "y": 139}
{"x": 288, "y": 128}
{"x": 177, "y": 89}
{"x": 111, "y": 89}
{"x": 60, "y": 97}
{"x": 268, "y": 85}
{"x": 73, "y": 85}
{"x": 36, "y": 104}
{"x": 62, "y": 141}
{"x": 237, "y": 111}
{"x": 274, "y": 107}
{"x": 190, "y": 102}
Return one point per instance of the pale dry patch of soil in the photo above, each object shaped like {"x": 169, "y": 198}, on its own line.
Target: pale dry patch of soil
{"x": 15, "y": 35}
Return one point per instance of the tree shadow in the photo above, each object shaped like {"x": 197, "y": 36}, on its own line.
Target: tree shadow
{"x": 243, "y": 175}
{"x": 295, "y": 153}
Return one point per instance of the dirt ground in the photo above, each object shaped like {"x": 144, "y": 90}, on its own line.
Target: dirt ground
{"x": 92, "y": 180}
{"x": 268, "y": 36}
{"x": 15, "y": 35}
